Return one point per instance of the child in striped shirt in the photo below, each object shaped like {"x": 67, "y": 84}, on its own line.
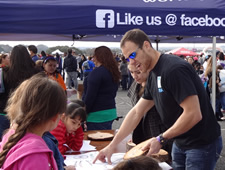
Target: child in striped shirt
{"x": 69, "y": 130}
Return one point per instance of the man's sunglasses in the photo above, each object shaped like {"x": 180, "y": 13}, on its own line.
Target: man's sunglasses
{"x": 132, "y": 55}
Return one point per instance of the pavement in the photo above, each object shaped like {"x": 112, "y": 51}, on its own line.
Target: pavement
{"x": 123, "y": 105}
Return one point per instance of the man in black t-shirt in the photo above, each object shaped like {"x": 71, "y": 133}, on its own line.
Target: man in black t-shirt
{"x": 180, "y": 98}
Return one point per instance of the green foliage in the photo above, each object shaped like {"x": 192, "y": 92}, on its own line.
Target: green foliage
{"x": 63, "y": 49}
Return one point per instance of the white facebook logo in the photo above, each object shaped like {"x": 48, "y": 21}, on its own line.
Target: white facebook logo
{"x": 105, "y": 18}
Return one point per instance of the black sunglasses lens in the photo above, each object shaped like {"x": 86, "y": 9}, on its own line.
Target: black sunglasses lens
{"x": 127, "y": 59}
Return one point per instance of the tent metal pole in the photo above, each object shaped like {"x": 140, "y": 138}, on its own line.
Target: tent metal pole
{"x": 214, "y": 75}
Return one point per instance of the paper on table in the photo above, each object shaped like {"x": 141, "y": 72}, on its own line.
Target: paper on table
{"x": 84, "y": 161}
{"x": 85, "y": 147}
{"x": 165, "y": 166}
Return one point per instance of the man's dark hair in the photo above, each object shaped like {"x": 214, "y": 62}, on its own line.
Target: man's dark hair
{"x": 136, "y": 36}
{"x": 32, "y": 48}
{"x": 70, "y": 51}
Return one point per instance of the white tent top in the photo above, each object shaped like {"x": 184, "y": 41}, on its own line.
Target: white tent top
{"x": 57, "y": 51}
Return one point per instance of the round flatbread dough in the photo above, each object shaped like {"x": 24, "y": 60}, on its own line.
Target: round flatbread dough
{"x": 100, "y": 136}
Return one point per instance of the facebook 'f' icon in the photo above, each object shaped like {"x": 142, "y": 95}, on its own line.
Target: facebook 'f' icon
{"x": 105, "y": 18}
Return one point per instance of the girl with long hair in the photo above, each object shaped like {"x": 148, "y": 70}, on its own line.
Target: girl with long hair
{"x": 21, "y": 68}
{"x": 33, "y": 110}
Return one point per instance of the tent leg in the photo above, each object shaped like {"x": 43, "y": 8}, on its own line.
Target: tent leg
{"x": 214, "y": 75}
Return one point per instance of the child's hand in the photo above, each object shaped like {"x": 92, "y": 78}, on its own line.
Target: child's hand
{"x": 70, "y": 167}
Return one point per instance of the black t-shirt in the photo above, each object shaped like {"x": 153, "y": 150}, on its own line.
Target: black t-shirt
{"x": 169, "y": 83}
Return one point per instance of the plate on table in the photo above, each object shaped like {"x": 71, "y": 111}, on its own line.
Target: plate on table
{"x": 100, "y": 136}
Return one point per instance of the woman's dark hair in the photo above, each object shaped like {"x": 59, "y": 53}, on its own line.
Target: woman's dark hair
{"x": 31, "y": 105}
{"x": 43, "y": 54}
{"x": 220, "y": 55}
{"x": 104, "y": 55}
{"x": 75, "y": 110}
{"x": 21, "y": 66}
{"x": 2, "y": 56}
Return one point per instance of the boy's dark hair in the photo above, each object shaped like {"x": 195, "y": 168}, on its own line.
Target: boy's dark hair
{"x": 75, "y": 110}
{"x": 32, "y": 48}
{"x": 139, "y": 163}
{"x": 79, "y": 102}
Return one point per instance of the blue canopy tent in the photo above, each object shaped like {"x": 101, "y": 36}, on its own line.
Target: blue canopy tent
{"x": 113, "y": 17}
{"x": 101, "y": 17}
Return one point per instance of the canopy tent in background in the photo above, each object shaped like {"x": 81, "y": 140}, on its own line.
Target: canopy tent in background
{"x": 101, "y": 17}
{"x": 115, "y": 17}
{"x": 182, "y": 51}
{"x": 57, "y": 51}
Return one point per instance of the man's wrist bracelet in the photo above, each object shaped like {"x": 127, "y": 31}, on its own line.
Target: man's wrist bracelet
{"x": 161, "y": 139}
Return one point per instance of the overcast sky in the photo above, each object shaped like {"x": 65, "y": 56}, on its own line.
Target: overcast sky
{"x": 91, "y": 44}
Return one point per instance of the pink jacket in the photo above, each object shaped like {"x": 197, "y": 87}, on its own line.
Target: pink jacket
{"x": 31, "y": 152}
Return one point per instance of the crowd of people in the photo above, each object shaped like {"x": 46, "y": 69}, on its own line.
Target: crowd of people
{"x": 39, "y": 122}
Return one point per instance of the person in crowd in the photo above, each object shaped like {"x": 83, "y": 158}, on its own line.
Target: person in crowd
{"x": 4, "y": 60}
{"x": 102, "y": 86}
{"x": 221, "y": 60}
{"x": 33, "y": 52}
{"x": 182, "y": 57}
{"x": 63, "y": 71}
{"x": 174, "y": 88}
{"x": 30, "y": 117}
{"x": 151, "y": 124}
{"x": 206, "y": 61}
{"x": 43, "y": 55}
{"x": 52, "y": 143}
{"x": 201, "y": 59}
{"x": 124, "y": 73}
{"x": 208, "y": 73}
{"x": 69, "y": 130}
{"x": 190, "y": 60}
{"x": 83, "y": 59}
{"x": 59, "y": 63}
{"x": 70, "y": 65}
{"x": 88, "y": 66}
{"x": 50, "y": 65}
{"x": 138, "y": 163}
{"x": 197, "y": 67}
{"x": 130, "y": 79}
{"x": 21, "y": 68}
{"x": 221, "y": 71}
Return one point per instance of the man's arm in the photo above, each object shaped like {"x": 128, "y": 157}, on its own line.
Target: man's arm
{"x": 190, "y": 117}
{"x": 130, "y": 122}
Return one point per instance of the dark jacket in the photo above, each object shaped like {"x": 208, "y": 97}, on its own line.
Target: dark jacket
{"x": 52, "y": 143}
{"x": 70, "y": 63}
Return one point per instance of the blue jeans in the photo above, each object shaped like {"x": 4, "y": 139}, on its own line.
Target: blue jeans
{"x": 99, "y": 126}
{"x": 4, "y": 124}
{"x": 72, "y": 76}
{"x": 202, "y": 158}
{"x": 222, "y": 99}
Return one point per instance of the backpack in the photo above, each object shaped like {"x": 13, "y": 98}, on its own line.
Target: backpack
{"x": 86, "y": 65}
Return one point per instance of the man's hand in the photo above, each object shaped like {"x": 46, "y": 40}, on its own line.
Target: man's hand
{"x": 153, "y": 146}
{"x": 105, "y": 153}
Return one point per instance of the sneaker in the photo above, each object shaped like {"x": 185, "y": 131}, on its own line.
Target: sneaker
{"x": 223, "y": 118}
